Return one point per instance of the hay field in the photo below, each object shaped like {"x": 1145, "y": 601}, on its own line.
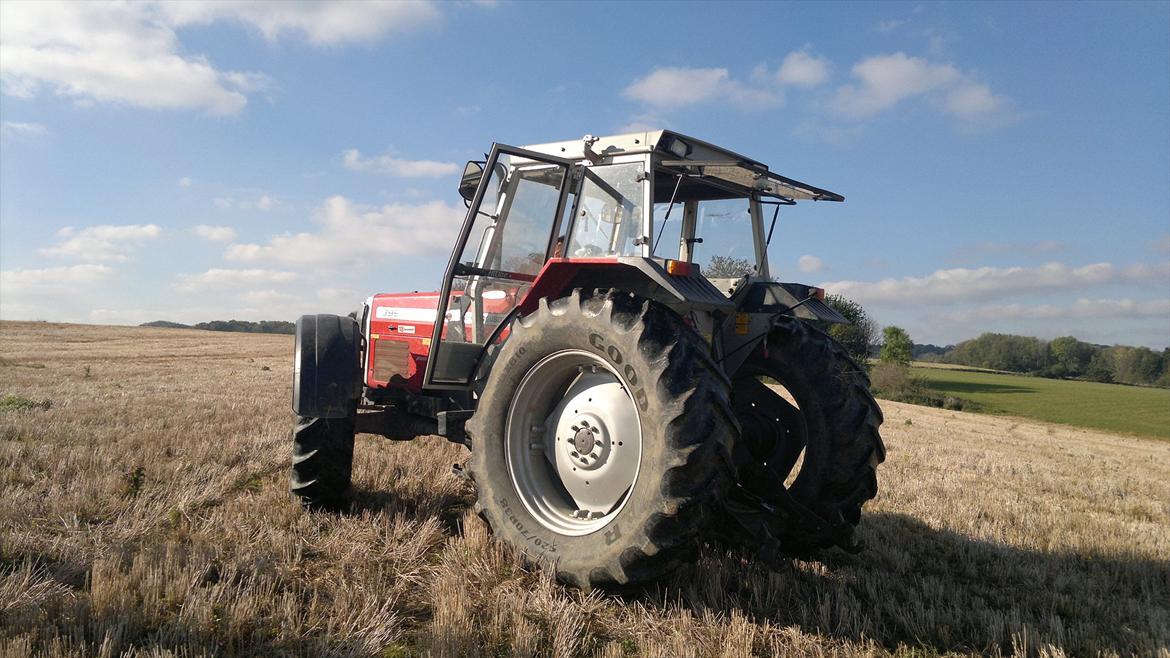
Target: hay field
{"x": 145, "y": 512}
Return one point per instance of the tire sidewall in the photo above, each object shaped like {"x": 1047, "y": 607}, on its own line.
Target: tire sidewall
{"x": 619, "y": 349}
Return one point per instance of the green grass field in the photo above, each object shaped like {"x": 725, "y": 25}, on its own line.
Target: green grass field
{"x": 1112, "y": 407}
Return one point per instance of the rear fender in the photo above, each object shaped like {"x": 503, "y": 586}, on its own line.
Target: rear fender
{"x": 645, "y": 277}
{"x": 796, "y": 299}
{"x": 327, "y": 374}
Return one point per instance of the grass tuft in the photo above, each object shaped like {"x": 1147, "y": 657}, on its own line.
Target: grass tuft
{"x": 12, "y": 402}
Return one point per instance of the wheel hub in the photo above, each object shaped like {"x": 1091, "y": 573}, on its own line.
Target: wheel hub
{"x": 580, "y": 458}
{"x": 583, "y": 440}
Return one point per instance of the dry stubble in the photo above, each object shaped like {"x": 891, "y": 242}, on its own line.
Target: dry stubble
{"x": 145, "y": 512}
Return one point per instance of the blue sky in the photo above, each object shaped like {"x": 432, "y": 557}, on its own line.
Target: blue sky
{"x": 1006, "y": 167}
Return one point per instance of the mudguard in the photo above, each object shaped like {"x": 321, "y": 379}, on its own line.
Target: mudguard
{"x": 327, "y": 373}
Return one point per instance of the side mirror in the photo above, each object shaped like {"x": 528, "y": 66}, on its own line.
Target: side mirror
{"x": 472, "y": 174}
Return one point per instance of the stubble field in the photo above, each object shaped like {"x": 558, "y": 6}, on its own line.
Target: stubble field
{"x": 144, "y": 511}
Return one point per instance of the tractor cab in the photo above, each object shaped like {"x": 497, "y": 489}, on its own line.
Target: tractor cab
{"x": 657, "y": 213}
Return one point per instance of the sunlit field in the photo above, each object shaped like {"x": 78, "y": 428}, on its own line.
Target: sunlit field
{"x": 145, "y": 512}
{"x": 1112, "y": 407}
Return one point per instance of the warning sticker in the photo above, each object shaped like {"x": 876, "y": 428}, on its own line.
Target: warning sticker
{"x": 741, "y": 323}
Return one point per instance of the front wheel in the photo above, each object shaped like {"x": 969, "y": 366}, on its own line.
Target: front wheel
{"x": 602, "y": 438}
{"x": 322, "y": 461}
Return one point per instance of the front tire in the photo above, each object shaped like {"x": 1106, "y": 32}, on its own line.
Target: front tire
{"x": 673, "y": 401}
{"x": 322, "y": 463}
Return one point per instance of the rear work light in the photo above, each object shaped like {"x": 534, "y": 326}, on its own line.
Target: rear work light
{"x": 678, "y": 268}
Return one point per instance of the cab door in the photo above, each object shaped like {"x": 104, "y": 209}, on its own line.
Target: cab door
{"x": 510, "y": 230}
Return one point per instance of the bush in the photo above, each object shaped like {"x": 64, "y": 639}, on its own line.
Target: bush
{"x": 893, "y": 381}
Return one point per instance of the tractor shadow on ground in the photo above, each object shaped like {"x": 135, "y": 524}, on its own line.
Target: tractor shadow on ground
{"x": 920, "y": 586}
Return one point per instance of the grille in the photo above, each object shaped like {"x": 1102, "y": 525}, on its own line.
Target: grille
{"x": 391, "y": 357}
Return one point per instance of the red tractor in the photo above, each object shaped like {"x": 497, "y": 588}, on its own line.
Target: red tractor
{"x": 609, "y": 344}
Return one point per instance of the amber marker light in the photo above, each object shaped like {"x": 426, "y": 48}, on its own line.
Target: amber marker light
{"x": 678, "y": 268}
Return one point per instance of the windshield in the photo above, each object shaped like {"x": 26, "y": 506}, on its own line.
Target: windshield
{"x": 609, "y": 212}
{"x": 723, "y": 239}
{"x": 728, "y": 247}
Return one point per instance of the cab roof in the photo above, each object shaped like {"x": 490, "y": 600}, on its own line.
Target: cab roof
{"x": 688, "y": 155}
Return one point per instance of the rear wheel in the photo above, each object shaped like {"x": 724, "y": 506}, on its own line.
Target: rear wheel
{"x": 810, "y": 444}
{"x": 602, "y": 438}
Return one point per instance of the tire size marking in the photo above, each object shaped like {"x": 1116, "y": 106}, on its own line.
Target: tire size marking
{"x": 631, "y": 375}
{"x": 541, "y": 544}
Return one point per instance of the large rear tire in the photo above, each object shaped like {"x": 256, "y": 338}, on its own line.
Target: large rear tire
{"x": 580, "y": 387}
{"x": 813, "y": 463}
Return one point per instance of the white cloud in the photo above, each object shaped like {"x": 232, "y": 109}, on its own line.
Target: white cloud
{"x": 214, "y": 233}
{"x": 350, "y": 231}
{"x": 54, "y": 277}
{"x": 964, "y": 254}
{"x": 807, "y": 263}
{"x": 643, "y": 122}
{"x": 263, "y": 297}
{"x": 263, "y": 203}
{"x": 1081, "y": 309}
{"x": 108, "y": 243}
{"x": 45, "y": 294}
{"x": 678, "y": 87}
{"x": 107, "y": 52}
{"x": 321, "y": 23}
{"x": 884, "y": 81}
{"x": 387, "y": 164}
{"x": 221, "y": 279}
{"x": 962, "y": 284}
{"x": 185, "y": 182}
{"x": 803, "y": 70}
{"x": 973, "y": 100}
{"x": 22, "y": 129}
{"x": 129, "y": 53}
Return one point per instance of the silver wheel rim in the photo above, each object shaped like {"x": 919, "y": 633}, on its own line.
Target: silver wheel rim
{"x": 573, "y": 442}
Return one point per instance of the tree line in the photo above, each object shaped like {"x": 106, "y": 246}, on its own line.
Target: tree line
{"x": 1063, "y": 358}
{"x": 1060, "y": 358}
{"x": 244, "y": 326}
